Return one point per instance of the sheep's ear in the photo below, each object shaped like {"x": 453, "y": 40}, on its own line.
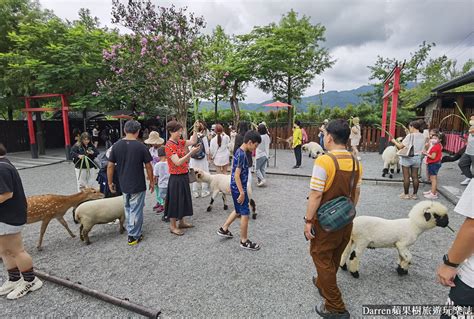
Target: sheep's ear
{"x": 427, "y": 216}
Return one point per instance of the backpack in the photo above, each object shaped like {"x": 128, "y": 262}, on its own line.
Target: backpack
{"x": 305, "y": 136}
{"x": 202, "y": 151}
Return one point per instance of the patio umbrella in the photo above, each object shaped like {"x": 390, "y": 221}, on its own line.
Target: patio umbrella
{"x": 121, "y": 117}
{"x": 277, "y": 105}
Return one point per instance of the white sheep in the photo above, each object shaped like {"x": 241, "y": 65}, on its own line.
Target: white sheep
{"x": 220, "y": 183}
{"x": 315, "y": 150}
{"x": 391, "y": 160}
{"x": 374, "y": 232}
{"x": 101, "y": 211}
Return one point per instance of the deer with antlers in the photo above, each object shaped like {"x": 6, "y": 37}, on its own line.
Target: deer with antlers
{"x": 46, "y": 207}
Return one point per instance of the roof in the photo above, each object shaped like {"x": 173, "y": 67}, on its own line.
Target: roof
{"x": 425, "y": 101}
{"x": 457, "y": 82}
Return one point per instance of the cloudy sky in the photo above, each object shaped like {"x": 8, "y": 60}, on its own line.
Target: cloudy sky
{"x": 356, "y": 30}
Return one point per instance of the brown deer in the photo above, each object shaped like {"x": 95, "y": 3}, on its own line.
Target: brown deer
{"x": 46, "y": 207}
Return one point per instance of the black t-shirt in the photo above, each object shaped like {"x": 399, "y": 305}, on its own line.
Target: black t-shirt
{"x": 130, "y": 155}
{"x": 13, "y": 210}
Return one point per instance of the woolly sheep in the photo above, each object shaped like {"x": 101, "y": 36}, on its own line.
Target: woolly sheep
{"x": 391, "y": 160}
{"x": 315, "y": 150}
{"x": 99, "y": 211}
{"x": 220, "y": 183}
{"x": 374, "y": 232}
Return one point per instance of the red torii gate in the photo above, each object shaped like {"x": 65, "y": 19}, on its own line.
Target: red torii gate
{"x": 31, "y": 131}
{"x": 393, "y": 77}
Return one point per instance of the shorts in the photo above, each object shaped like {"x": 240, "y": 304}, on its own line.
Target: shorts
{"x": 162, "y": 192}
{"x": 414, "y": 161}
{"x": 241, "y": 209}
{"x": 6, "y": 229}
{"x": 433, "y": 169}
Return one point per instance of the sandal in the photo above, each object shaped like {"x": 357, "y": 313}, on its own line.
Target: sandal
{"x": 176, "y": 232}
{"x": 249, "y": 245}
{"x": 185, "y": 225}
{"x": 404, "y": 196}
{"x": 414, "y": 196}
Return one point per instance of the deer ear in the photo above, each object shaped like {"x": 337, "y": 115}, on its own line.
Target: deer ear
{"x": 427, "y": 216}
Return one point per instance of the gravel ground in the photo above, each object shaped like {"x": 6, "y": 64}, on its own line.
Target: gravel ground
{"x": 202, "y": 275}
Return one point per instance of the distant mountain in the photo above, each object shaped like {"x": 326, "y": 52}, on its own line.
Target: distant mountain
{"x": 329, "y": 99}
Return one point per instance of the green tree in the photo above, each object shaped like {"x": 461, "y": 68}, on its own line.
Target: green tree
{"x": 289, "y": 55}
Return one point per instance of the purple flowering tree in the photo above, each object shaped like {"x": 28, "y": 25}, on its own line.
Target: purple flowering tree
{"x": 155, "y": 66}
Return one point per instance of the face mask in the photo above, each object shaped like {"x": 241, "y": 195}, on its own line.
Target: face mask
{"x": 434, "y": 141}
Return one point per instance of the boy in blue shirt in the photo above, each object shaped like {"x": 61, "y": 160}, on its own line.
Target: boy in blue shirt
{"x": 238, "y": 187}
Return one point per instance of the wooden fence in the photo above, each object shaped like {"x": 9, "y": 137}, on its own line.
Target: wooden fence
{"x": 452, "y": 123}
{"x": 369, "y": 143}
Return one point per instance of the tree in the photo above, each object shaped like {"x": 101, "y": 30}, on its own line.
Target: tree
{"x": 288, "y": 56}
{"x": 57, "y": 57}
{"x": 12, "y": 14}
{"x": 158, "y": 63}
{"x": 217, "y": 50}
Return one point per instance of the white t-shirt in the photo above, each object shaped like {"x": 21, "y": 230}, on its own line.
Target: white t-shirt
{"x": 161, "y": 171}
{"x": 465, "y": 207}
{"x": 418, "y": 141}
{"x": 220, "y": 154}
{"x": 263, "y": 148}
{"x": 470, "y": 145}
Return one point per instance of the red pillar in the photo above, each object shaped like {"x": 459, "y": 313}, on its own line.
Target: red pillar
{"x": 384, "y": 110}
{"x": 396, "y": 90}
{"x": 31, "y": 130}
{"x": 67, "y": 137}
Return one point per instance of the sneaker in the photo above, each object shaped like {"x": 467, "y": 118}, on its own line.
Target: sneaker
{"x": 224, "y": 233}
{"x": 132, "y": 241}
{"x": 259, "y": 183}
{"x": 427, "y": 192}
{"x": 165, "y": 219}
{"x": 8, "y": 286}
{"x": 466, "y": 182}
{"x": 296, "y": 166}
{"x": 160, "y": 209}
{"x": 196, "y": 195}
{"x": 404, "y": 196}
{"x": 24, "y": 287}
{"x": 431, "y": 196}
{"x": 205, "y": 194}
{"x": 156, "y": 206}
{"x": 359, "y": 158}
{"x": 324, "y": 313}
{"x": 249, "y": 245}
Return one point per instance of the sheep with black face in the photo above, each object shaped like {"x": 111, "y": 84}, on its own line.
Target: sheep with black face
{"x": 391, "y": 160}
{"x": 374, "y": 232}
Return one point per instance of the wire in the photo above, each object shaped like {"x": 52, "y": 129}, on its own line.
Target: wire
{"x": 459, "y": 43}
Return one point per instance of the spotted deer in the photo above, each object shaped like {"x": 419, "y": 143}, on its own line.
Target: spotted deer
{"x": 46, "y": 207}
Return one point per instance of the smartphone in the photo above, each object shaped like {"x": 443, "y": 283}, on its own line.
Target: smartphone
{"x": 312, "y": 231}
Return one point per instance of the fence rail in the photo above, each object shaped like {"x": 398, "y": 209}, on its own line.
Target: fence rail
{"x": 451, "y": 123}
{"x": 370, "y": 140}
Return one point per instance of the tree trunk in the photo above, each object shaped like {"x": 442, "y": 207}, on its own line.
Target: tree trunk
{"x": 290, "y": 110}
{"x": 215, "y": 108}
{"x": 10, "y": 112}
{"x": 182, "y": 117}
{"x": 234, "y": 104}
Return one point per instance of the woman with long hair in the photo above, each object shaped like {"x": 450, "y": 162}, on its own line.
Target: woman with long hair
{"x": 411, "y": 161}
{"x": 179, "y": 203}
{"x": 200, "y": 160}
{"x": 83, "y": 154}
{"x": 219, "y": 150}
{"x": 262, "y": 154}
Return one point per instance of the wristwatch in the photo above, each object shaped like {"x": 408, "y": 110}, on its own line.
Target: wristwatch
{"x": 307, "y": 221}
{"x": 448, "y": 263}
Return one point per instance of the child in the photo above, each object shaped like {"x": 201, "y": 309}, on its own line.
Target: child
{"x": 162, "y": 175}
{"x": 156, "y": 142}
{"x": 238, "y": 186}
{"x": 433, "y": 159}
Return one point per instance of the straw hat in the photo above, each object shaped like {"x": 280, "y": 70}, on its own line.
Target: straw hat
{"x": 154, "y": 138}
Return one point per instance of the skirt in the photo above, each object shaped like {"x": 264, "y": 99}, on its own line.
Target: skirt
{"x": 178, "y": 202}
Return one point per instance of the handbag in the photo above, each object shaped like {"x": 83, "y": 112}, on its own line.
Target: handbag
{"x": 340, "y": 211}
{"x": 192, "y": 176}
{"x": 407, "y": 151}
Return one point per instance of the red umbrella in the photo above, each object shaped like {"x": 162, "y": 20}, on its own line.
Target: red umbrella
{"x": 277, "y": 104}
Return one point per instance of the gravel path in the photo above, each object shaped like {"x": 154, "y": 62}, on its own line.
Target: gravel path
{"x": 201, "y": 275}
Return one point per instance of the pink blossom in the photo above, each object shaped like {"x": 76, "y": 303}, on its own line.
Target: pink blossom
{"x": 222, "y": 83}
{"x": 159, "y": 48}
{"x": 144, "y": 41}
{"x": 155, "y": 38}
{"x": 226, "y": 74}
{"x": 164, "y": 61}
{"x": 119, "y": 71}
{"x": 143, "y": 51}
{"x": 95, "y": 94}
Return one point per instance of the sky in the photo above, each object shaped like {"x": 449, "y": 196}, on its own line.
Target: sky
{"x": 357, "y": 31}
